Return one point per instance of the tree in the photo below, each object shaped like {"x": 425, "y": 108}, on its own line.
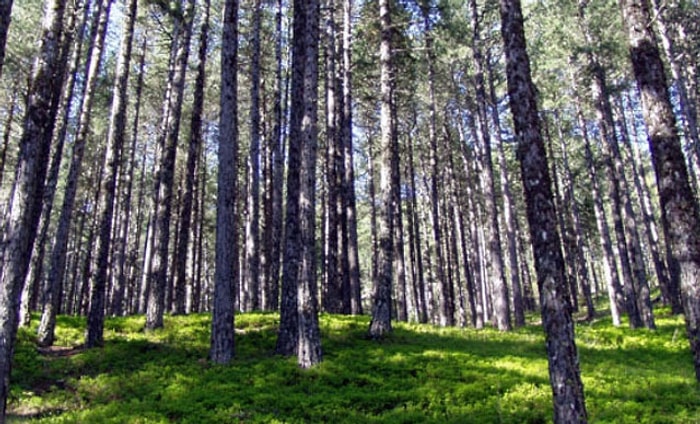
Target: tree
{"x": 24, "y": 208}
{"x": 113, "y": 152}
{"x": 222, "y": 341}
{"x": 252, "y": 229}
{"x": 299, "y": 331}
{"x": 679, "y": 208}
{"x": 564, "y": 374}
{"x": 193, "y": 154}
{"x": 5, "y": 13}
{"x": 54, "y": 284}
{"x": 380, "y": 324}
{"x": 165, "y": 174}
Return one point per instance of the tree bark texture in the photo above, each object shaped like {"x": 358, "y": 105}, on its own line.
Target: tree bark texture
{"x": 564, "y": 374}
{"x": 380, "y": 324}
{"x": 679, "y": 208}
{"x": 24, "y": 208}
{"x": 225, "y": 273}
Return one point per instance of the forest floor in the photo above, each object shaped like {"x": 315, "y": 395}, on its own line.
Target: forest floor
{"x": 420, "y": 374}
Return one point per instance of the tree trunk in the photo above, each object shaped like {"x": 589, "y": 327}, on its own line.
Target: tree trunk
{"x": 564, "y": 374}
{"x": 24, "y": 207}
{"x": 679, "y": 208}
{"x": 669, "y": 289}
{"x": 380, "y": 324}
{"x": 165, "y": 174}
{"x": 225, "y": 274}
{"x": 5, "y": 13}
{"x": 252, "y": 229}
{"x": 115, "y": 146}
{"x": 193, "y": 155}
{"x": 55, "y": 278}
{"x": 349, "y": 176}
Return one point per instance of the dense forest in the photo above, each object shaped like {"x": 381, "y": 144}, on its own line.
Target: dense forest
{"x": 457, "y": 163}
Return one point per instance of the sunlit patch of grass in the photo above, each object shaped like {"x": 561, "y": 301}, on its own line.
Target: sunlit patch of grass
{"x": 420, "y": 373}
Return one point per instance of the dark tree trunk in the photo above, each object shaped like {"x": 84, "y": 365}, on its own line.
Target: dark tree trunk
{"x": 5, "y": 13}
{"x": 380, "y": 324}
{"x": 193, "y": 155}
{"x": 24, "y": 208}
{"x": 252, "y": 229}
{"x": 165, "y": 174}
{"x": 349, "y": 176}
{"x": 54, "y": 282}
{"x": 115, "y": 146}
{"x": 225, "y": 274}
{"x": 679, "y": 208}
{"x": 564, "y": 374}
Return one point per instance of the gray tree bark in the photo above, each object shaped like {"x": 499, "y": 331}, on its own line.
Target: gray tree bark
{"x": 564, "y": 374}
{"x": 679, "y": 208}
{"x": 54, "y": 284}
{"x": 380, "y": 324}
{"x": 24, "y": 207}
{"x": 225, "y": 273}
{"x": 165, "y": 174}
{"x": 115, "y": 145}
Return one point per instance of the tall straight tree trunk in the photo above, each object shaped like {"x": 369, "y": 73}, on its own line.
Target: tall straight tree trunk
{"x": 36, "y": 268}
{"x": 54, "y": 282}
{"x": 252, "y": 229}
{"x": 679, "y": 208}
{"x": 564, "y": 374}
{"x": 333, "y": 301}
{"x": 165, "y": 175}
{"x": 446, "y": 303}
{"x": 24, "y": 208}
{"x": 5, "y": 13}
{"x": 309, "y": 335}
{"x": 115, "y": 147}
{"x": 581, "y": 268}
{"x": 613, "y": 167}
{"x": 500, "y": 296}
{"x": 125, "y": 265}
{"x": 193, "y": 155}
{"x": 380, "y": 324}
{"x": 225, "y": 272}
{"x": 7, "y": 130}
{"x": 669, "y": 290}
{"x": 346, "y": 124}
{"x": 614, "y": 287}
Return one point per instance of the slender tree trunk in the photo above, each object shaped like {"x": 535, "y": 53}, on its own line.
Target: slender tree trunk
{"x": 380, "y": 324}
{"x": 353, "y": 255}
{"x": 193, "y": 154}
{"x": 581, "y": 268}
{"x": 5, "y": 13}
{"x": 309, "y": 335}
{"x": 222, "y": 330}
{"x": 24, "y": 207}
{"x": 7, "y": 130}
{"x": 564, "y": 374}
{"x": 54, "y": 282}
{"x": 252, "y": 229}
{"x": 447, "y": 304}
{"x": 669, "y": 289}
{"x": 679, "y": 208}
{"x": 416, "y": 251}
{"x": 165, "y": 175}
{"x": 124, "y": 280}
{"x": 36, "y": 268}
{"x": 115, "y": 146}
{"x": 500, "y": 296}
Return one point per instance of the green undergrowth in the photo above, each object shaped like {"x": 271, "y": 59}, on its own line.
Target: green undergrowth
{"x": 419, "y": 374}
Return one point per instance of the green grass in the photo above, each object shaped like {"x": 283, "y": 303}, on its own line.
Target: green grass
{"x": 420, "y": 374}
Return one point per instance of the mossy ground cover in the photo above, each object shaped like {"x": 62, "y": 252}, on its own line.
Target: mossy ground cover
{"x": 420, "y": 374}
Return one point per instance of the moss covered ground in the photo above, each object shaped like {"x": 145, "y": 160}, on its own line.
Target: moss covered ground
{"x": 420, "y": 374}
